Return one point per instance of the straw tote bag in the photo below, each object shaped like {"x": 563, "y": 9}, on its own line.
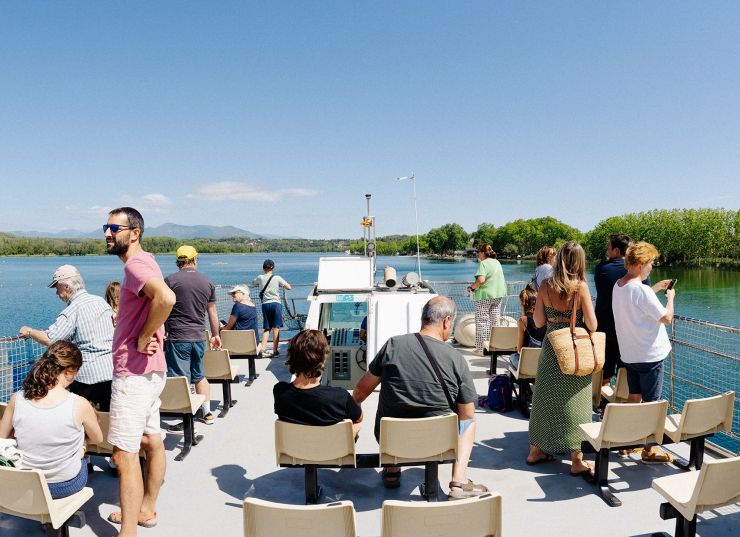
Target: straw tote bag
{"x": 578, "y": 352}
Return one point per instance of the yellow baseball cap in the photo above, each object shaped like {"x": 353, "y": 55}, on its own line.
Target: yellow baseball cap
{"x": 186, "y": 253}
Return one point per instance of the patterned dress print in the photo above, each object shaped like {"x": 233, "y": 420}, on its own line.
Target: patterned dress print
{"x": 560, "y": 402}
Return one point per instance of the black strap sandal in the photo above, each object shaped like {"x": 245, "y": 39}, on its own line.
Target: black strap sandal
{"x": 391, "y": 478}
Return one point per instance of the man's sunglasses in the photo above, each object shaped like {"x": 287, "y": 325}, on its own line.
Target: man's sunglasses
{"x": 115, "y": 228}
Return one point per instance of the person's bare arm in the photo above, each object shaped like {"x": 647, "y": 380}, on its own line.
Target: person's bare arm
{"x": 522, "y": 326}
{"x": 35, "y": 334}
{"x": 668, "y": 317}
{"x": 540, "y": 318}
{"x": 163, "y": 298}
{"x": 287, "y": 285}
{"x": 587, "y": 306}
{"x": 6, "y": 424}
{"x": 364, "y": 387}
{"x": 213, "y": 321}
{"x": 465, "y": 411}
{"x": 230, "y": 323}
{"x": 87, "y": 417}
{"x": 662, "y": 284}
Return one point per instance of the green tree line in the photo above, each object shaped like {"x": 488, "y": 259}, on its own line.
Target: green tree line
{"x": 684, "y": 236}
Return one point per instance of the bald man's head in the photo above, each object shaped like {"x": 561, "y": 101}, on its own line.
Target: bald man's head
{"x": 437, "y": 309}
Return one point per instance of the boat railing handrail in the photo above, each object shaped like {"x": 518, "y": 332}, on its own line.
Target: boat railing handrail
{"x": 704, "y": 360}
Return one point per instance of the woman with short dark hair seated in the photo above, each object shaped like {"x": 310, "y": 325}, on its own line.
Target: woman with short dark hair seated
{"x": 305, "y": 401}
{"x": 50, "y": 424}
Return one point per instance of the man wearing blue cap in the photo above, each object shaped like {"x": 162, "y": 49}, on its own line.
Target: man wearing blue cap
{"x": 272, "y": 311}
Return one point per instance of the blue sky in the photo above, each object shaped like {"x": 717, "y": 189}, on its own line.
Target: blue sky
{"x": 278, "y": 117}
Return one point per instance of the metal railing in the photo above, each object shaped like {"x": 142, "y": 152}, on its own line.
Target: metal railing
{"x": 705, "y": 359}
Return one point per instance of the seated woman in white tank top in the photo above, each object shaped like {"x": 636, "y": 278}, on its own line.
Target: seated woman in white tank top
{"x": 50, "y": 424}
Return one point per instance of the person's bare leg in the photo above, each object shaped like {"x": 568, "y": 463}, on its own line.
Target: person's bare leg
{"x": 265, "y": 337}
{"x": 275, "y": 340}
{"x": 465, "y": 448}
{"x": 535, "y": 454}
{"x": 130, "y": 490}
{"x": 156, "y": 464}
{"x": 577, "y": 464}
{"x": 203, "y": 387}
{"x": 634, "y": 398}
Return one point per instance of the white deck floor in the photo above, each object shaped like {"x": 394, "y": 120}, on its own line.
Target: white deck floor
{"x": 202, "y": 496}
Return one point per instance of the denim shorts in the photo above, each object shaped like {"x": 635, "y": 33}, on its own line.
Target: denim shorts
{"x": 272, "y": 315}
{"x": 646, "y": 379}
{"x": 185, "y": 359}
{"x": 74, "y": 485}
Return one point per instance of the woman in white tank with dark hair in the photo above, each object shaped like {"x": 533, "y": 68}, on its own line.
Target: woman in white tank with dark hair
{"x": 50, "y": 423}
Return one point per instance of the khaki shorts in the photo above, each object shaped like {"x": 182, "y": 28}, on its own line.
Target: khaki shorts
{"x": 134, "y": 409}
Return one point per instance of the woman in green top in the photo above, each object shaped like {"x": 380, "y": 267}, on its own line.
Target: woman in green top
{"x": 489, "y": 287}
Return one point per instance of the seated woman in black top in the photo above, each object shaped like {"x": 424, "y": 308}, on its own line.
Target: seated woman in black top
{"x": 243, "y": 313}
{"x": 529, "y": 334}
{"x": 305, "y": 400}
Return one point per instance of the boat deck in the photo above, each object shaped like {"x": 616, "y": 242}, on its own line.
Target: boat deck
{"x": 202, "y": 496}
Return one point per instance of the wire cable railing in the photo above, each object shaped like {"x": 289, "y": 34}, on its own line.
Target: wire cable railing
{"x": 705, "y": 359}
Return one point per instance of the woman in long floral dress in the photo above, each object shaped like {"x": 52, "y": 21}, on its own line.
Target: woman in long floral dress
{"x": 561, "y": 402}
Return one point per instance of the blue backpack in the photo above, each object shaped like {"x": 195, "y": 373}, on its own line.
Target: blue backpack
{"x": 499, "y": 394}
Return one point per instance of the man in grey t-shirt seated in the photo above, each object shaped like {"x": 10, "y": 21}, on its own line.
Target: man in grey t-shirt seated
{"x": 411, "y": 389}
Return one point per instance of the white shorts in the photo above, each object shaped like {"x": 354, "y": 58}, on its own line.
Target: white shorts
{"x": 134, "y": 409}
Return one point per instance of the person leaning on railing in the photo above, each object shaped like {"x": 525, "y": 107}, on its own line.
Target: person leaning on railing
{"x": 87, "y": 321}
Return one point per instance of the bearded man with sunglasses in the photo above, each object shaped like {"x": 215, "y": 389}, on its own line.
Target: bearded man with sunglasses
{"x": 139, "y": 371}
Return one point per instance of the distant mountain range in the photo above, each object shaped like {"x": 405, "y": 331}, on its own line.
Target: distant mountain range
{"x": 176, "y": 231}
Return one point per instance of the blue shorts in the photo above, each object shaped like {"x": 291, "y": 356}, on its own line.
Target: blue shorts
{"x": 73, "y": 486}
{"x": 272, "y": 315}
{"x": 185, "y": 359}
{"x": 646, "y": 379}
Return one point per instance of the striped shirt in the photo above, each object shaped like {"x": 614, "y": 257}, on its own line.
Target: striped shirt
{"x": 87, "y": 322}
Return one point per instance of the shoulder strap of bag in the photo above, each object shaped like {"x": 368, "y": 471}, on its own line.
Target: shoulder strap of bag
{"x": 573, "y": 327}
{"x": 435, "y": 366}
{"x": 262, "y": 293}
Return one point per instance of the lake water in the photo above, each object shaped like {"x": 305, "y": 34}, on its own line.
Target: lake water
{"x": 707, "y": 294}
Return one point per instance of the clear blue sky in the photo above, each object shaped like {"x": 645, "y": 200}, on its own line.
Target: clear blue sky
{"x": 277, "y": 117}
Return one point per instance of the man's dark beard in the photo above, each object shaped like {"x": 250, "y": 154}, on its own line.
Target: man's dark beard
{"x": 116, "y": 248}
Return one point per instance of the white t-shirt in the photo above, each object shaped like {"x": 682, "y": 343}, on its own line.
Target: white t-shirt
{"x": 637, "y": 312}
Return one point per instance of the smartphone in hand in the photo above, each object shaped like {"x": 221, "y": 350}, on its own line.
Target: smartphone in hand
{"x": 670, "y": 285}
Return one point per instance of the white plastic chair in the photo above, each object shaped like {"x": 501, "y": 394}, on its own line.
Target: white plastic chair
{"x": 269, "y": 519}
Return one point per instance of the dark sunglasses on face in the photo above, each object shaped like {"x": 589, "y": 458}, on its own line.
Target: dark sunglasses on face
{"x": 115, "y": 228}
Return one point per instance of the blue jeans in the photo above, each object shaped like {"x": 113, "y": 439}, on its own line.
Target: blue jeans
{"x": 185, "y": 359}
{"x": 646, "y": 379}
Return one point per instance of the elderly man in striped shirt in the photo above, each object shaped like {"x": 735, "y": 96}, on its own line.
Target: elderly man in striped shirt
{"x": 88, "y": 323}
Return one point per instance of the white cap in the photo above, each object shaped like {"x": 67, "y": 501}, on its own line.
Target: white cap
{"x": 240, "y": 288}
{"x": 64, "y": 272}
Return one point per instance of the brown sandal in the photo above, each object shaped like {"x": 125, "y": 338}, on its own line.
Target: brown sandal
{"x": 467, "y": 490}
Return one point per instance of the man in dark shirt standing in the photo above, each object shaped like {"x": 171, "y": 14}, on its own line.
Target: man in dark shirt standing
{"x": 185, "y": 345}
{"x": 606, "y": 274}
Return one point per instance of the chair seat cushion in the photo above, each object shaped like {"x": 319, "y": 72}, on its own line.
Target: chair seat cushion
{"x": 591, "y": 432}
{"x": 678, "y": 489}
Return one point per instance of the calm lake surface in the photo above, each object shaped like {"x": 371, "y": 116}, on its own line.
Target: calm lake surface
{"x": 707, "y": 294}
